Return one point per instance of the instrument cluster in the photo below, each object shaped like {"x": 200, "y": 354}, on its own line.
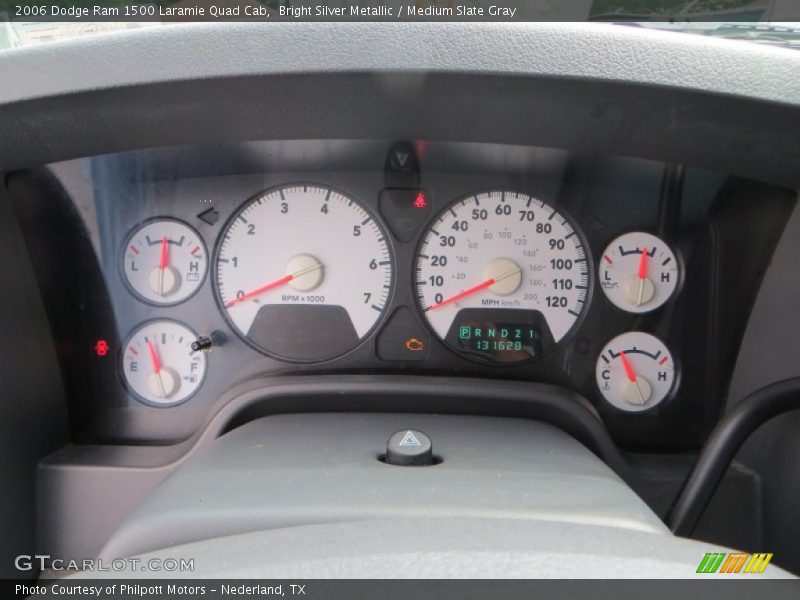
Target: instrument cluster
{"x": 187, "y": 274}
{"x": 304, "y": 273}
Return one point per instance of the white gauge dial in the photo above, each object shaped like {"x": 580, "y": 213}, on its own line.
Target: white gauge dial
{"x": 638, "y": 272}
{"x": 165, "y": 261}
{"x": 303, "y": 272}
{"x": 636, "y": 371}
{"x": 159, "y": 364}
{"x": 502, "y": 276}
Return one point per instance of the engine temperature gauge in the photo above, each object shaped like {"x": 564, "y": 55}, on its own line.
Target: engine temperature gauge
{"x": 165, "y": 261}
{"x": 638, "y": 272}
{"x": 159, "y": 364}
{"x": 636, "y": 371}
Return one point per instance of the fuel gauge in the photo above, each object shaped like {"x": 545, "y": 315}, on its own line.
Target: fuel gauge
{"x": 165, "y": 261}
{"x": 636, "y": 371}
{"x": 159, "y": 364}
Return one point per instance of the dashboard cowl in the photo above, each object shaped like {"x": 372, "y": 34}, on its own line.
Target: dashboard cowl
{"x": 295, "y": 470}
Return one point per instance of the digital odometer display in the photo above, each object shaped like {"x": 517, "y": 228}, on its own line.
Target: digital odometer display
{"x": 506, "y": 264}
{"x": 498, "y": 335}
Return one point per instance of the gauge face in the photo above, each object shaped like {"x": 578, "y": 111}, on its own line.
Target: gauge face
{"x": 636, "y": 371}
{"x": 159, "y": 364}
{"x": 165, "y": 261}
{"x": 502, "y": 277}
{"x": 638, "y": 272}
{"x": 303, "y": 272}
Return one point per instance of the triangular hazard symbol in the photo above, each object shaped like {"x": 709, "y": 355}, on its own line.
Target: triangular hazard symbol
{"x": 409, "y": 439}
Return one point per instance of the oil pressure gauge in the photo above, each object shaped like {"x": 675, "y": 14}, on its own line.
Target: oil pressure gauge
{"x": 159, "y": 365}
{"x": 165, "y": 261}
{"x": 636, "y": 371}
{"x": 638, "y": 272}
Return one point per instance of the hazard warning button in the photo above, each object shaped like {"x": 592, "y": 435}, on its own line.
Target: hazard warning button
{"x": 409, "y": 447}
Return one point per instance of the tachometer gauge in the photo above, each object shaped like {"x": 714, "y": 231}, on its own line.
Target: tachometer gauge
{"x": 638, "y": 272}
{"x": 502, "y": 276}
{"x": 165, "y": 261}
{"x": 159, "y": 365}
{"x": 636, "y": 371}
{"x": 303, "y": 272}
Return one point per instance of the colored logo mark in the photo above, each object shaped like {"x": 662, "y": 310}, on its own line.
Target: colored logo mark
{"x": 735, "y": 562}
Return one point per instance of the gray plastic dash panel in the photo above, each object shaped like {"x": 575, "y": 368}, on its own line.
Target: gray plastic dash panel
{"x": 429, "y": 548}
{"x": 606, "y": 89}
{"x": 294, "y": 470}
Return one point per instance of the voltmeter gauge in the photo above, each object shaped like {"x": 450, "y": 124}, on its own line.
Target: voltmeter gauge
{"x": 165, "y": 261}
{"x": 638, "y": 272}
{"x": 636, "y": 371}
{"x": 159, "y": 365}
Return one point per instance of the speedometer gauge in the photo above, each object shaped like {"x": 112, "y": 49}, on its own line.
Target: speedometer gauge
{"x": 502, "y": 276}
{"x": 303, "y": 272}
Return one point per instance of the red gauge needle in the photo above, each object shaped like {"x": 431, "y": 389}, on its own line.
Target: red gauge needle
{"x": 164, "y": 253}
{"x": 264, "y": 288}
{"x": 157, "y": 368}
{"x": 643, "y": 264}
{"x": 163, "y": 263}
{"x": 629, "y": 372}
{"x": 642, "y": 276}
{"x": 473, "y": 290}
{"x": 154, "y": 357}
{"x": 303, "y": 264}
{"x": 634, "y": 379}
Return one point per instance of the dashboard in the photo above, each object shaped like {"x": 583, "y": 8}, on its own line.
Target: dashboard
{"x": 471, "y": 228}
{"x": 186, "y": 271}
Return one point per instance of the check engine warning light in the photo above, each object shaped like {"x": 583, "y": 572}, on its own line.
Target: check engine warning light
{"x": 420, "y": 201}
{"x": 414, "y": 345}
{"x": 101, "y": 348}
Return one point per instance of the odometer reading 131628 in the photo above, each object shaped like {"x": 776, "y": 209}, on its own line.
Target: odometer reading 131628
{"x": 502, "y": 276}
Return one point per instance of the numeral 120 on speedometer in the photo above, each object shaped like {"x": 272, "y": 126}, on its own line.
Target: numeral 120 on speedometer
{"x": 502, "y": 276}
